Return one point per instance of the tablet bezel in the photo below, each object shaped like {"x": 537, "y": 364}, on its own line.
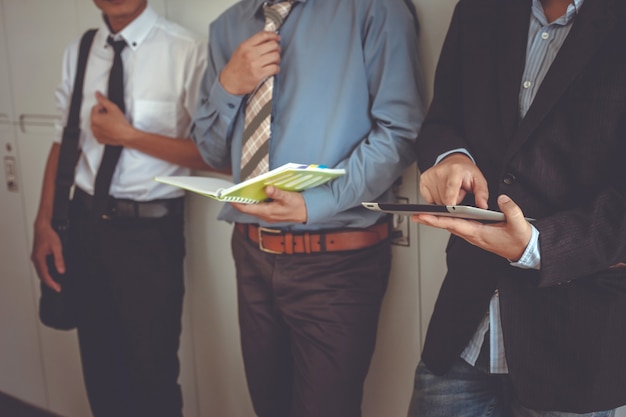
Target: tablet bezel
{"x": 458, "y": 211}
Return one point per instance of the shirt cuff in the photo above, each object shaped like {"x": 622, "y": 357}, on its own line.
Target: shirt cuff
{"x": 531, "y": 258}
{"x": 459, "y": 150}
{"x": 319, "y": 204}
{"x": 226, "y": 104}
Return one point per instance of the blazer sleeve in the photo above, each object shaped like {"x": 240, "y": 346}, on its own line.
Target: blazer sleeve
{"x": 442, "y": 129}
{"x": 588, "y": 240}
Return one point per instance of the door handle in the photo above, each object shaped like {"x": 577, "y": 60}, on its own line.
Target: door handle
{"x": 10, "y": 173}
{"x": 4, "y": 119}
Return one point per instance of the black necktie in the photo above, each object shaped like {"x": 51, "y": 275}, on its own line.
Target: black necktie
{"x": 111, "y": 153}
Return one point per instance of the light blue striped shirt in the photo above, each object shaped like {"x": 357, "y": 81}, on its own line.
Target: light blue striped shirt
{"x": 544, "y": 42}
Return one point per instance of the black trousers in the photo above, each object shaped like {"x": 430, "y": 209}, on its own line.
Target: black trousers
{"x": 308, "y": 327}
{"x": 130, "y": 285}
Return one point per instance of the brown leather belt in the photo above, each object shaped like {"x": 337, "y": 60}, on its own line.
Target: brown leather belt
{"x": 280, "y": 242}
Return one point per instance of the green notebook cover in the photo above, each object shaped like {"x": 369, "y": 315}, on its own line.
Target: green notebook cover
{"x": 289, "y": 177}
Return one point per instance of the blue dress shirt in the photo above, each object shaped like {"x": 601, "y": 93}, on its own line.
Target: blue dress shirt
{"x": 347, "y": 96}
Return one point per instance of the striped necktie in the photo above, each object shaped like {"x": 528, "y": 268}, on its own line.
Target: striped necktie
{"x": 256, "y": 135}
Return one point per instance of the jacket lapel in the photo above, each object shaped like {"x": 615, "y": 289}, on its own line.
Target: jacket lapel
{"x": 513, "y": 36}
{"x": 590, "y": 29}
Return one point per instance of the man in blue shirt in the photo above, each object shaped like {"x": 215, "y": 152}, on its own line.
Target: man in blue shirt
{"x": 312, "y": 267}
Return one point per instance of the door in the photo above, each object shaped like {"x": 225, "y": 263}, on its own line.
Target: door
{"x": 21, "y": 367}
{"x": 36, "y": 34}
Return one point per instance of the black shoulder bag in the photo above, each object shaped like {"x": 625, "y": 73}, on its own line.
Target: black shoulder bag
{"x": 58, "y": 310}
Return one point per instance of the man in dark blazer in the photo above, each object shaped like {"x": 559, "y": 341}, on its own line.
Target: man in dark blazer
{"x": 528, "y": 117}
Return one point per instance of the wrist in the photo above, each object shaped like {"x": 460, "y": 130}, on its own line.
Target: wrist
{"x": 130, "y": 137}
{"x": 43, "y": 222}
{"x": 230, "y": 84}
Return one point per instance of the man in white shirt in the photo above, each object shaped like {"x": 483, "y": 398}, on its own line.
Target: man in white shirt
{"x": 129, "y": 258}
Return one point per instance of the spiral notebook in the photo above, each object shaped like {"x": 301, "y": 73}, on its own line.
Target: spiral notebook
{"x": 289, "y": 177}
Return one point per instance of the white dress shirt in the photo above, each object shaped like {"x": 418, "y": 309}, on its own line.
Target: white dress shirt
{"x": 163, "y": 67}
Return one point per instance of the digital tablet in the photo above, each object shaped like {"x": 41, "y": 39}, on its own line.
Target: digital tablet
{"x": 464, "y": 212}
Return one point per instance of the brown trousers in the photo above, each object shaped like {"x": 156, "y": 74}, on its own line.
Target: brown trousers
{"x": 308, "y": 327}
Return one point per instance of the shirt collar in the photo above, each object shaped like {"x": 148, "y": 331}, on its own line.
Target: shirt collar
{"x": 258, "y": 8}
{"x": 566, "y": 19}
{"x": 137, "y": 30}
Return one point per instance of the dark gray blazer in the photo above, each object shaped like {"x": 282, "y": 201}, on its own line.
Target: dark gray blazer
{"x": 565, "y": 165}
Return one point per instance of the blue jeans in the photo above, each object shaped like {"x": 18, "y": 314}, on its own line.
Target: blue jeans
{"x": 467, "y": 391}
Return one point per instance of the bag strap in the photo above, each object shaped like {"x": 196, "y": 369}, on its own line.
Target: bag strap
{"x": 69, "y": 152}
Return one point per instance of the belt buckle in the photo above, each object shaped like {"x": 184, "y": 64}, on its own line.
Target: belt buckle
{"x": 260, "y": 232}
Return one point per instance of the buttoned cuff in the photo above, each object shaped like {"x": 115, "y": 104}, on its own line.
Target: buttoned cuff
{"x": 226, "y": 104}
{"x": 531, "y": 258}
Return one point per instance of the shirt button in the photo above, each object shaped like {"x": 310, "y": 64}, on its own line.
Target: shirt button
{"x": 527, "y": 84}
{"x": 545, "y": 35}
{"x": 508, "y": 179}
{"x": 231, "y": 106}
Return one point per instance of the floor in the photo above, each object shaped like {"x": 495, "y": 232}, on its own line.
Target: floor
{"x": 11, "y": 407}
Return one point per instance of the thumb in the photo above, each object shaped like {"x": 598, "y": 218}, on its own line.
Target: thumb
{"x": 59, "y": 261}
{"x": 103, "y": 100}
{"x": 512, "y": 211}
{"x": 273, "y": 192}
